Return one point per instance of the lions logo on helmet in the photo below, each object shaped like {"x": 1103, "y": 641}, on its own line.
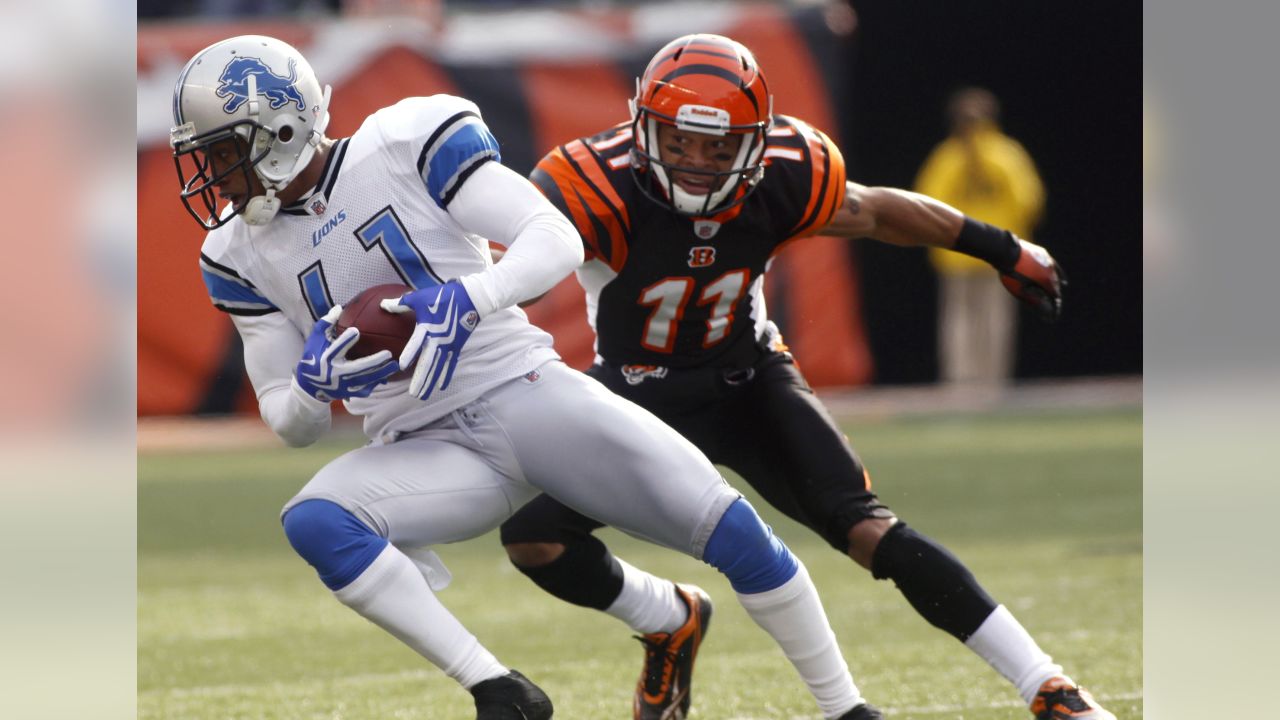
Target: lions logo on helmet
{"x": 279, "y": 90}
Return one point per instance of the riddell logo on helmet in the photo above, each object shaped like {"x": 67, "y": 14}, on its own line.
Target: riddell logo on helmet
{"x": 279, "y": 90}
{"x": 701, "y": 118}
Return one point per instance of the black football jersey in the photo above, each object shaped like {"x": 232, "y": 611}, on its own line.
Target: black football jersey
{"x": 673, "y": 291}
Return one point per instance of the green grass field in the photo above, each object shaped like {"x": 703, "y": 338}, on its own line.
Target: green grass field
{"x": 1045, "y": 508}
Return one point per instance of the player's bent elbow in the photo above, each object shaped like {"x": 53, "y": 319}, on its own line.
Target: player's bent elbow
{"x": 296, "y": 439}
{"x": 296, "y": 418}
{"x": 296, "y": 434}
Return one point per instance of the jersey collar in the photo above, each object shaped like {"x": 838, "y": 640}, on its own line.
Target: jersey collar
{"x": 316, "y": 202}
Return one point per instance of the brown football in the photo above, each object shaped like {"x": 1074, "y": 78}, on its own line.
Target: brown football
{"x": 379, "y": 329}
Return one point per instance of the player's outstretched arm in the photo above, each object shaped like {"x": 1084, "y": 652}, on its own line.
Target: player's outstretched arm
{"x": 909, "y": 219}
{"x": 897, "y": 217}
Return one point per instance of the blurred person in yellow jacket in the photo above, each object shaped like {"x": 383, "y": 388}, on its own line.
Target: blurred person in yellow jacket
{"x": 990, "y": 177}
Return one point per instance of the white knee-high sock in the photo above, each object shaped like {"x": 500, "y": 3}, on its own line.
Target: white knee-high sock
{"x": 1009, "y": 649}
{"x": 647, "y": 603}
{"x": 393, "y": 594}
{"x": 793, "y": 615}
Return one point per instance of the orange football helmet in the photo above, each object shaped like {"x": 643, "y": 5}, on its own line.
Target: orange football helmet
{"x": 707, "y": 84}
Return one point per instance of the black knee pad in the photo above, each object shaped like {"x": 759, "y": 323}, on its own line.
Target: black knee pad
{"x": 887, "y": 557}
{"x": 527, "y": 528}
{"x": 585, "y": 574}
{"x": 933, "y": 580}
{"x": 545, "y": 520}
{"x": 865, "y": 507}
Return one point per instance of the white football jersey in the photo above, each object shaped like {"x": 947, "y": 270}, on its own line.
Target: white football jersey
{"x": 379, "y": 215}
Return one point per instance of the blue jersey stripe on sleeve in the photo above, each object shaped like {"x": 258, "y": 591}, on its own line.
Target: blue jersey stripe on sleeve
{"x": 429, "y": 146}
{"x": 453, "y": 153}
{"x": 232, "y": 292}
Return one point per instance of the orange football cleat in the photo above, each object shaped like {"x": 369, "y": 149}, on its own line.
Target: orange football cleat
{"x": 663, "y": 692}
{"x": 1061, "y": 699}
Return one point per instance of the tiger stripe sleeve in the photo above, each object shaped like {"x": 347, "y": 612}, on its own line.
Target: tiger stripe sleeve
{"x": 827, "y": 185}
{"x": 554, "y": 179}
{"x": 571, "y": 177}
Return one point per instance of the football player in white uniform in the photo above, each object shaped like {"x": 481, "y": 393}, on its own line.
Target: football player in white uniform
{"x": 490, "y": 416}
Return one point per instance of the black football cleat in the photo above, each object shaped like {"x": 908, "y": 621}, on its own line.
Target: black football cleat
{"x": 510, "y": 697}
{"x": 663, "y": 692}
{"x": 865, "y": 711}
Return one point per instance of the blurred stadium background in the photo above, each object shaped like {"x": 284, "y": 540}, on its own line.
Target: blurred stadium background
{"x": 860, "y": 316}
{"x": 875, "y": 75}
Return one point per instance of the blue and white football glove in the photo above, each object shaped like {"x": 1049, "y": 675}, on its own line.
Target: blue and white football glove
{"x": 446, "y": 318}
{"x": 325, "y": 373}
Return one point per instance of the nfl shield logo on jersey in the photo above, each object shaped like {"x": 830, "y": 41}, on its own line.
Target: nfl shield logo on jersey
{"x": 317, "y": 207}
{"x": 706, "y": 229}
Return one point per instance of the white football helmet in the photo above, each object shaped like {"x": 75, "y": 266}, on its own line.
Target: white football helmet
{"x": 261, "y": 91}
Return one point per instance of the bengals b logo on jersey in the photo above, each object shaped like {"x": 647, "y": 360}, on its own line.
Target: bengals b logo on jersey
{"x": 701, "y": 256}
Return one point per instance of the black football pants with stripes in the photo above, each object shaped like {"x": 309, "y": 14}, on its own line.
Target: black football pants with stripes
{"x": 766, "y": 424}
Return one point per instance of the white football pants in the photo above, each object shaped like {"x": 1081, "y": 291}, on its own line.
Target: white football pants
{"x": 560, "y": 432}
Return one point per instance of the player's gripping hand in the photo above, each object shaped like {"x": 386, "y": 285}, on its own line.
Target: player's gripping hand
{"x": 446, "y": 318}
{"x": 1036, "y": 279}
{"x": 325, "y": 373}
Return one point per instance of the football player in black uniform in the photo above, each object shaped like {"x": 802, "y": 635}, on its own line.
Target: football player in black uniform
{"x": 681, "y": 211}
